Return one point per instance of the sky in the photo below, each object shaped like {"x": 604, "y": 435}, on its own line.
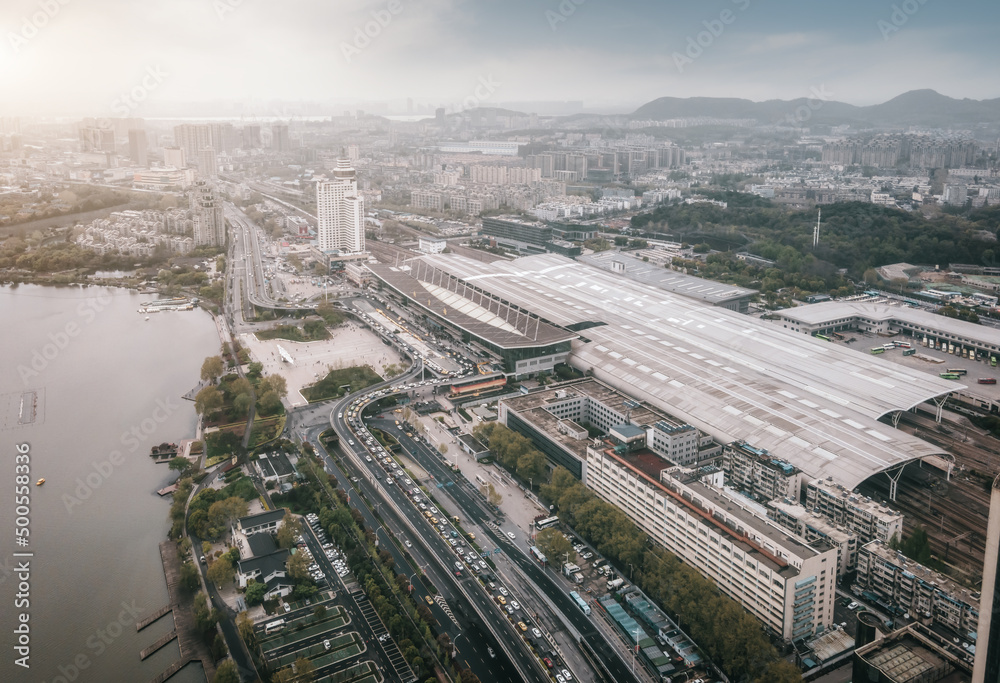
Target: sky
{"x": 145, "y": 57}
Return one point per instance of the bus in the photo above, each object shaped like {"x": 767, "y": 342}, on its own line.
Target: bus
{"x": 958, "y": 371}
{"x": 950, "y": 375}
{"x": 877, "y": 350}
{"x": 821, "y": 336}
{"x": 580, "y": 602}
{"x": 480, "y": 480}
{"x": 274, "y": 627}
{"x": 538, "y": 555}
{"x": 546, "y": 523}
{"x": 987, "y": 380}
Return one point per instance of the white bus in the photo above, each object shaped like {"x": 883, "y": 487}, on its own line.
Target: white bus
{"x": 274, "y": 627}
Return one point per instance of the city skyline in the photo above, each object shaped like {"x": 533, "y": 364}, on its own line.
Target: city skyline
{"x": 60, "y": 59}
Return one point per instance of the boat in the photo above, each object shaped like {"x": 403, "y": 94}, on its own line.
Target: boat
{"x": 40, "y": 481}
{"x": 147, "y": 317}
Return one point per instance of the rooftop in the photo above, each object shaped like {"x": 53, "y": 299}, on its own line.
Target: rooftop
{"x": 668, "y": 280}
{"x": 262, "y": 518}
{"x": 924, "y": 574}
{"x": 909, "y": 656}
{"x": 811, "y": 403}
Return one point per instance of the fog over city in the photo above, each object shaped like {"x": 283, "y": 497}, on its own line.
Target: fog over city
{"x": 499, "y": 341}
{"x": 63, "y": 57}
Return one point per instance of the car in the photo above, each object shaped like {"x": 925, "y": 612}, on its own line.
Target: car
{"x": 368, "y": 458}
{"x": 429, "y": 600}
{"x": 326, "y": 644}
{"x": 852, "y": 606}
{"x": 492, "y": 653}
{"x": 510, "y": 610}
{"x": 535, "y": 632}
{"x": 548, "y": 662}
{"x": 350, "y": 442}
{"x": 503, "y": 591}
{"x": 407, "y": 544}
{"x": 521, "y": 625}
{"x": 472, "y": 536}
{"x": 388, "y": 480}
{"x": 287, "y": 607}
{"x": 511, "y": 535}
{"x": 566, "y": 674}
{"x": 501, "y": 599}
{"x": 514, "y": 604}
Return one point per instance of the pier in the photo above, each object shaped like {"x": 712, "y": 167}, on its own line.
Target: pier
{"x": 192, "y": 647}
{"x": 153, "y": 617}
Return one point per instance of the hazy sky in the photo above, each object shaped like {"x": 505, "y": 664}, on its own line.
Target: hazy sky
{"x": 85, "y": 56}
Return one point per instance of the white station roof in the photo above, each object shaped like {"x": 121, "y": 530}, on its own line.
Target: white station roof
{"x": 807, "y": 401}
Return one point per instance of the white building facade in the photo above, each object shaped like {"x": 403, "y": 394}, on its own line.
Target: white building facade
{"x": 341, "y": 211}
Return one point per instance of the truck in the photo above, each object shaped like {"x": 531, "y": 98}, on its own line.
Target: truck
{"x": 569, "y": 569}
{"x": 615, "y": 584}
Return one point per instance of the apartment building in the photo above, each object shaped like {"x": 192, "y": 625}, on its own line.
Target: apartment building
{"x": 856, "y": 513}
{"x": 784, "y": 581}
{"x": 760, "y": 475}
{"x": 812, "y": 527}
{"x": 912, "y": 587}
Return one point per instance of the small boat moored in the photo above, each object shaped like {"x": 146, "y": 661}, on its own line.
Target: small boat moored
{"x": 40, "y": 482}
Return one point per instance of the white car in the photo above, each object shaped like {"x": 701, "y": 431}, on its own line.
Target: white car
{"x": 535, "y": 632}
{"x": 511, "y": 535}
{"x": 407, "y": 544}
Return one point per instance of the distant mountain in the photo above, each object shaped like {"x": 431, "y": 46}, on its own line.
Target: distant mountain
{"x": 914, "y": 108}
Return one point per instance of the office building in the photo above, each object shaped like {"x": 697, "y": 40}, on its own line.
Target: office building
{"x": 251, "y": 136}
{"x": 280, "y": 141}
{"x": 95, "y": 139}
{"x": 913, "y": 588}
{"x": 208, "y": 162}
{"x": 785, "y": 582}
{"x": 174, "y": 157}
{"x": 192, "y": 138}
{"x": 987, "y": 668}
{"x": 138, "y": 148}
{"x": 341, "y": 211}
{"x": 856, "y": 513}
{"x": 208, "y": 217}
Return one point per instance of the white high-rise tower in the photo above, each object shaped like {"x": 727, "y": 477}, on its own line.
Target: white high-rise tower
{"x": 341, "y": 211}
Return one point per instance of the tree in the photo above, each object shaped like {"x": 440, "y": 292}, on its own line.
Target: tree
{"x": 189, "y": 577}
{"x": 289, "y": 529}
{"x": 245, "y": 625}
{"x": 180, "y": 465}
{"x": 443, "y": 449}
{"x": 554, "y": 545}
{"x": 492, "y": 495}
{"x": 298, "y": 567}
{"x": 211, "y": 369}
{"x": 221, "y": 571}
{"x": 319, "y": 612}
{"x": 275, "y": 383}
{"x": 223, "y": 513}
{"x": 242, "y": 403}
{"x": 870, "y": 277}
{"x": 255, "y": 369}
{"x": 255, "y": 593}
{"x": 226, "y": 673}
{"x": 208, "y": 401}
{"x": 270, "y": 403}
{"x": 531, "y": 465}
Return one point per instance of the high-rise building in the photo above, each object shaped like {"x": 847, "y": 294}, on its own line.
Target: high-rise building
{"x": 192, "y": 137}
{"x": 208, "y": 216}
{"x": 279, "y": 138}
{"x": 251, "y": 136}
{"x": 138, "y": 148}
{"x": 95, "y": 139}
{"x": 439, "y": 116}
{"x": 174, "y": 157}
{"x": 341, "y": 211}
{"x": 208, "y": 162}
{"x": 987, "y": 665}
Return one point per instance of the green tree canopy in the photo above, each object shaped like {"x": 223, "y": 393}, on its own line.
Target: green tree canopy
{"x": 211, "y": 369}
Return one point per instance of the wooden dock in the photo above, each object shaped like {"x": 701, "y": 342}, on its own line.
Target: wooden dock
{"x": 167, "y": 637}
{"x": 190, "y": 643}
{"x": 153, "y": 617}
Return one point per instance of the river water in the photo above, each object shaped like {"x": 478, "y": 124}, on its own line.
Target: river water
{"x": 108, "y": 386}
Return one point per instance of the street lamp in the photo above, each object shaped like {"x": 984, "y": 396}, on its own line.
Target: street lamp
{"x": 631, "y": 571}
{"x": 454, "y": 649}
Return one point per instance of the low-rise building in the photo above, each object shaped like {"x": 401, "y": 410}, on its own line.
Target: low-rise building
{"x": 924, "y": 593}
{"x": 856, "y": 513}
{"x": 263, "y": 522}
{"x": 812, "y": 527}
{"x": 759, "y": 474}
